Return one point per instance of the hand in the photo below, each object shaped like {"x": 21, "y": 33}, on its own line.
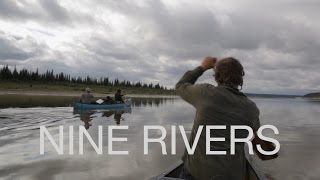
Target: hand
{"x": 208, "y": 63}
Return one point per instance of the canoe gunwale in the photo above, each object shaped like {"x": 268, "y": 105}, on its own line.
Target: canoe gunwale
{"x": 169, "y": 170}
{"x": 254, "y": 166}
{"x": 98, "y": 106}
{"x": 82, "y": 106}
{"x": 251, "y": 165}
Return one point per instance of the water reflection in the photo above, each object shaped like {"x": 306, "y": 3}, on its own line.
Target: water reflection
{"x": 152, "y": 102}
{"x": 86, "y": 116}
{"x": 23, "y": 101}
{"x": 297, "y": 121}
{"x": 117, "y": 114}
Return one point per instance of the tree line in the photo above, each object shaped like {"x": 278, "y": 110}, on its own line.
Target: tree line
{"x": 49, "y": 76}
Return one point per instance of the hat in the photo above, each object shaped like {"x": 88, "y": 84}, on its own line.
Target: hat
{"x": 88, "y": 89}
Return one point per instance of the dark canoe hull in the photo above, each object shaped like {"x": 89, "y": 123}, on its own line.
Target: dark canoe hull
{"x": 81, "y": 106}
{"x": 172, "y": 173}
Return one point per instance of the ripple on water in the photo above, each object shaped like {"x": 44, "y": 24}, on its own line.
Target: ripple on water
{"x": 22, "y": 119}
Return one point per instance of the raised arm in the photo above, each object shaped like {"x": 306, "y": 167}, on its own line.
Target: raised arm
{"x": 185, "y": 87}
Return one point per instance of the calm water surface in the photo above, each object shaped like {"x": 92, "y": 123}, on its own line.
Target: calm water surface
{"x": 297, "y": 120}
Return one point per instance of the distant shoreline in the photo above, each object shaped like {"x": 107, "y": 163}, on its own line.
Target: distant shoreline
{"x": 73, "y": 94}
{"x": 312, "y": 95}
{"x": 100, "y": 95}
{"x": 69, "y": 89}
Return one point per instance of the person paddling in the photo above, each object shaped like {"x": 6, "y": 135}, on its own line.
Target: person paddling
{"x": 118, "y": 96}
{"x": 225, "y": 105}
{"x": 86, "y": 98}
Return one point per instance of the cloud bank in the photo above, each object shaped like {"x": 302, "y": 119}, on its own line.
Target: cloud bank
{"x": 277, "y": 41}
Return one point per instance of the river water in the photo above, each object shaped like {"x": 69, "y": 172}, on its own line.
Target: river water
{"x": 297, "y": 120}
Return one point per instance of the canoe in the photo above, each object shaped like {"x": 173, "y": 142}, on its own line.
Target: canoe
{"x": 81, "y": 106}
{"x": 173, "y": 172}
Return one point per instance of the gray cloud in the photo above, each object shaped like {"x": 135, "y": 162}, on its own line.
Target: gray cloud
{"x": 9, "y": 49}
{"x": 157, "y": 41}
{"x": 11, "y": 10}
{"x": 47, "y": 12}
{"x": 54, "y": 10}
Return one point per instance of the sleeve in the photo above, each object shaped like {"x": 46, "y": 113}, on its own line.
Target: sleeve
{"x": 186, "y": 89}
{"x": 255, "y": 120}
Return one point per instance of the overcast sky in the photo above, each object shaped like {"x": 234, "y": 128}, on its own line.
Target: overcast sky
{"x": 278, "y": 41}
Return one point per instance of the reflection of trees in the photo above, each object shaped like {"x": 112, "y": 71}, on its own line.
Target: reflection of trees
{"x": 22, "y": 101}
{"x": 143, "y": 102}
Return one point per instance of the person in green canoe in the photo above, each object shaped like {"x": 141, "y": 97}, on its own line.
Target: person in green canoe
{"x": 118, "y": 96}
{"x": 225, "y": 105}
{"x": 108, "y": 100}
{"x": 86, "y": 98}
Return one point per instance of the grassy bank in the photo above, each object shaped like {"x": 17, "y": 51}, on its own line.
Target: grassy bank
{"x": 70, "y": 87}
